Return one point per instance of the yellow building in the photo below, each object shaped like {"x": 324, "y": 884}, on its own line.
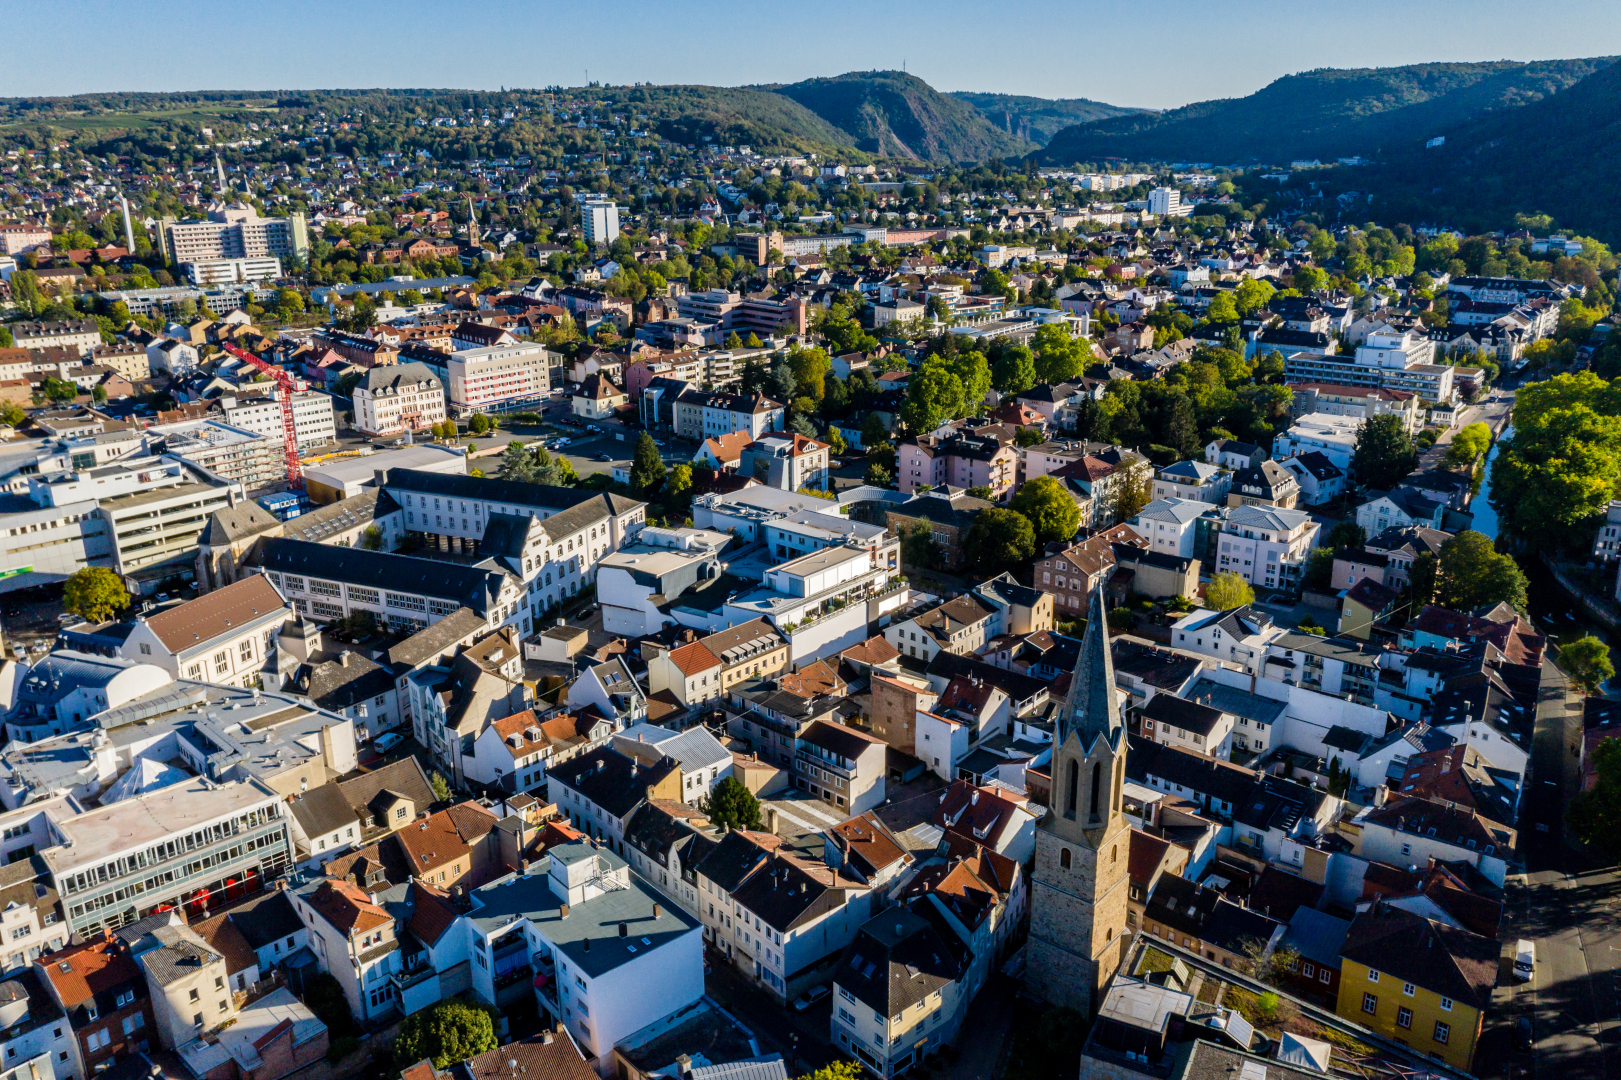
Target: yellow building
{"x": 1419, "y": 982}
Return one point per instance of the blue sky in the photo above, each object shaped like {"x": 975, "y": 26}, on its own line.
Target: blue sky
{"x": 1155, "y": 53}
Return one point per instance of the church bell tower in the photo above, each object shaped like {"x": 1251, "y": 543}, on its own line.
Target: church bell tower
{"x": 1078, "y": 880}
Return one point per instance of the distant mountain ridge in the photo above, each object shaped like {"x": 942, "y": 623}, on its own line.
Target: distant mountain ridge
{"x": 1554, "y": 156}
{"x": 1324, "y": 114}
{"x": 1038, "y": 119}
{"x": 894, "y": 114}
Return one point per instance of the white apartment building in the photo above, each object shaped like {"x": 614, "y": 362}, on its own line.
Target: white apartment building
{"x": 1266, "y": 545}
{"x": 173, "y": 356}
{"x": 17, "y": 239}
{"x": 615, "y": 953}
{"x": 314, "y": 423}
{"x": 1167, "y": 202}
{"x": 223, "y": 637}
{"x": 398, "y": 398}
{"x": 234, "y": 232}
{"x": 1331, "y": 435}
{"x": 500, "y": 378}
{"x": 232, "y": 453}
{"x": 206, "y": 272}
{"x": 172, "y": 846}
{"x": 81, "y": 334}
{"x": 599, "y": 219}
{"x": 821, "y": 602}
{"x": 1169, "y": 526}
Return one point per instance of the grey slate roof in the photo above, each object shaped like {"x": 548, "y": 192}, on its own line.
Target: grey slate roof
{"x": 269, "y": 918}
{"x": 589, "y": 936}
{"x": 898, "y": 959}
{"x": 1091, "y": 708}
{"x": 469, "y": 586}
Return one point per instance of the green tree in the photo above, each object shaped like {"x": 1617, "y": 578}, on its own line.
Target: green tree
{"x": 733, "y": 805}
{"x": 810, "y": 368}
{"x": 1421, "y": 580}
{"x": 918, "y": 548}
{"x": 844, "y": 1069}
{"x": 678, "y": 487}
{"x": 1384, "y": 453}
{"x": 1060, "y": 356}
{"x": 1133, "y": 493}
{"x": 1594, "y": 816}
{"x": 1015, "y": 370}
{"x": 441, "y": 787}
{"x": 878, "y": 476}
{"x": 933, "y": 396}
{"x": 1562, "y": 465}
{"x": 372, "y": 539}
{"x": 446, "y": 1033}
{"x": 95, "y": 594}
{"x": 646, "y": 467}
{"x": 517, "y": 463}
{"x": 12, "y": 415}
{"x": 1473, "y": 574}
{"x": 1228, "y": 590}
{"x": 1222, "y": 309}
{"x": 1046, "y": 503}
{"x": 1347, "y": 534}
{"x": 873, "y": 431}
{"x": 1000, "y": 540}
{"x": 1587, "y": 661}
{"x": 1467, "y": 446}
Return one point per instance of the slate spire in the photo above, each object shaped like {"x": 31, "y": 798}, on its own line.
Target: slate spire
{"x": 1091, "y": 708}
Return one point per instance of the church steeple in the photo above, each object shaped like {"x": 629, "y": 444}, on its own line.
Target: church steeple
{"x": 1091, "y": 707}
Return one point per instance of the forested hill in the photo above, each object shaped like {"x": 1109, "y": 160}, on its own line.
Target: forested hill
{"x": 1038, "y": 119}
{"x": 1556, "y": 156}
{"x": 1325, "y": 114}
{"x": 898, "y": 115}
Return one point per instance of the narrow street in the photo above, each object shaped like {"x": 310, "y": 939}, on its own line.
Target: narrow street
{"x": 1572, "y": 911}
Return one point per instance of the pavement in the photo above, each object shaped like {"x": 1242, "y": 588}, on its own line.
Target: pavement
{"x": 1571, "y": 909}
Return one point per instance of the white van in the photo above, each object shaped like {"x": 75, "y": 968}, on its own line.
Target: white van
{"x": 1525, "y": 960}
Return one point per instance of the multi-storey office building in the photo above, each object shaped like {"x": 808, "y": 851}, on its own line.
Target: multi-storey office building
{"x": 313, "y": 419}
{"x": 193, "y": 844}
{"x": 403, "y": 397}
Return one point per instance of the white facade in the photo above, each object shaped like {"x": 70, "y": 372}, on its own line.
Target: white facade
{"x": 500, "y": 378}
{"x": 313, "y": 421}
{"x": 599, "y": 219}
{"x": 1332, "y": 436}
{"x": 205, "y": 272}
{"x": 1265, "y": 545}
{"x": 1169, "y": 525}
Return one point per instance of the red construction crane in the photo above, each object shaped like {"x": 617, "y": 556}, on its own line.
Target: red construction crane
{"x": 285, "y": 387}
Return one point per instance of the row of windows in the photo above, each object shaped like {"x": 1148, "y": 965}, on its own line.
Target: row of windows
{"x": 1404, "y": 1018}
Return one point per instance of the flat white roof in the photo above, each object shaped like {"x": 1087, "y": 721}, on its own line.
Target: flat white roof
{"x": 99, "y": 834}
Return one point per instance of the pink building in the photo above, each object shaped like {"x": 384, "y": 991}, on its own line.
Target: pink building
{"x": 960, "y": 460}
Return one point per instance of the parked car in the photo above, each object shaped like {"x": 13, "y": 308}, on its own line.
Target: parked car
{"x": 603, "y": 455}
{"x": 809, "y": 998}
{"x": 1522, "y": 1034}
{"x": 387, "y": 741}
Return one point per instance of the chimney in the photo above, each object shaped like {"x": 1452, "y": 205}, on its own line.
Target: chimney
{"x": 683, "y": 1065}
{"x": 655, "y": 911}
{"x": 585, "y": 944}
{"x": 562, "y": 912}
